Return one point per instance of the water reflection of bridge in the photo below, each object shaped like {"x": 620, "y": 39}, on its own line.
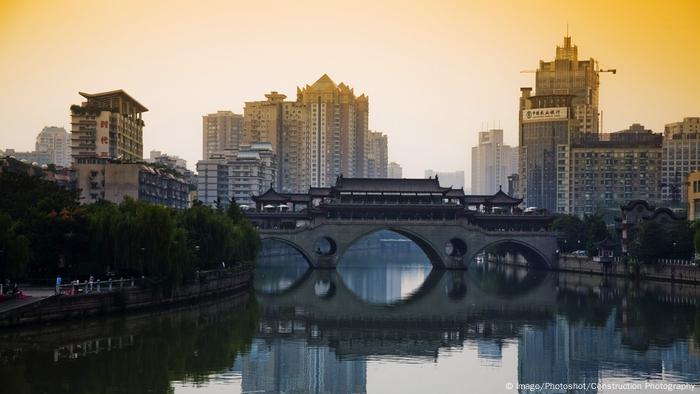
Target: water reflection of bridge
{"x": 572, "y": 328}
{"x": 443, "y": 295}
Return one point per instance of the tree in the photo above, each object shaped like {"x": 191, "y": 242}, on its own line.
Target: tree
{"x": 14, "y": 249}
{"x": 651, "y": 242}
{"x": 681, "y": 239}
{"x": 595, "y": 230}
{"x": 573, "y": 232}
{"x": 211, "y": 234}
{"x": 235, "y": 212}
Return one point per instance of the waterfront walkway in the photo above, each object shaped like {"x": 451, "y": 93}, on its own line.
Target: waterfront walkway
{"x": 12, "y": 304}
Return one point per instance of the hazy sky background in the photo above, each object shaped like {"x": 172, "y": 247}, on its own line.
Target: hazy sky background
{"x": 436, "y": 72}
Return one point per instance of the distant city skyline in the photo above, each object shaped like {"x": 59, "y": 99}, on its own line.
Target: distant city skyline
{"x": 428, "y": 69}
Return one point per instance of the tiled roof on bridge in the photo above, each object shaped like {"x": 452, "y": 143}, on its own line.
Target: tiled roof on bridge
{"x": 272, "y": 196}
{"x": 500, "y": 198}
{"x": 389, "y": 185}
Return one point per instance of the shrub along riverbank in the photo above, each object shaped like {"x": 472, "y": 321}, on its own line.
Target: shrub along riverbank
{"x": 45, "y": 232}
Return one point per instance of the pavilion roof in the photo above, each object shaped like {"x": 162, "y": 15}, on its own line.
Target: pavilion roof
{"x": 501, "y": 198}
{"x": 271, "y": 196}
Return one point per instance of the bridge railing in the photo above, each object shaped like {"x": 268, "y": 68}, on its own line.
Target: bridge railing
{"x": 97, "y": 286}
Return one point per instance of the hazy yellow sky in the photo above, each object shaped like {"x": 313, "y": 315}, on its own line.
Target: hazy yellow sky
{"x": 435, "y": 71}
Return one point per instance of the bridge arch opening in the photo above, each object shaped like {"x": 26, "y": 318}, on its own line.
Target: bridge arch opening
{"x": 512, "y": 251}
{"x": 281, "y": 266}
{"x": 508, "y": 268}
{"x": 384, "y": 266}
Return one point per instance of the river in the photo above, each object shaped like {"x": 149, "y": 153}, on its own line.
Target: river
{"x": 384, "y": 321}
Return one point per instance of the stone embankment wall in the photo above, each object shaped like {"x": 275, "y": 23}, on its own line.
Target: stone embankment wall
{"x": 585, "y": 265}
{"x": 667, "y": 272}
{"x": 63, "y": 307}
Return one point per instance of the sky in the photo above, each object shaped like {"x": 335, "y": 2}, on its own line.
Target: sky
{"x": 436, "y": 72}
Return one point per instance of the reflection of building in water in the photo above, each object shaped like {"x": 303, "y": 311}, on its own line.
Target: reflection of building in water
{"x": 546, "y": 355}
{"x": 489, "y": 351}
{"x": 566, "y": 352}
{"x": 292, "y": 366}
{"x": 378, "y": 285}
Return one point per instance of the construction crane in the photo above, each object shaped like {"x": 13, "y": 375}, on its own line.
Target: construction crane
{"x": 609, "y": 70}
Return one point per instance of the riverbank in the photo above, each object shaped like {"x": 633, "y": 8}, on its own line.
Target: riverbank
{"x": 688, "y": 274}
{"x": 123, "y": 300}
{"x": 658, "y": 272}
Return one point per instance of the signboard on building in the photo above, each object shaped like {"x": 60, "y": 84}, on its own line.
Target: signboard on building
{"x": 102, "y": 134}
{"x": 545, "y": 114}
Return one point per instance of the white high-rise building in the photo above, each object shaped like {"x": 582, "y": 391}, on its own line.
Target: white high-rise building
{"x": 492, "y": 162}
{"x": 238, "y": 174}
{"x": 447, "y": 178}
{"x": 56, "y": 142}
{"x": 394, "y": 170}
{"x": 221, "y": 131}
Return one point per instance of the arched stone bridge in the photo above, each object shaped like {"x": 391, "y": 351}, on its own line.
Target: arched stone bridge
{"x": 448, "y": 244}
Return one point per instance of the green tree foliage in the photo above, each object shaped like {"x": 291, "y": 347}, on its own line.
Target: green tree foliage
{"x": 654, "y": 241}
{"x": 249, "y": 243}
{"x": 580, "y": 234}
{"x": 572, "y": 229}
{"x": 651, "y": 243}
{"x": 211, "y": 234}
{"x": 14, "y": 249}
{"x": 595, "y": 231}
{"x": 681, "y": 239}
{"x": 23, "y": 196}
{"x": 44, "y": 231}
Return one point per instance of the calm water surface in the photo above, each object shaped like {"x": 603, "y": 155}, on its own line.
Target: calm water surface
{"x": 384, "y": 321}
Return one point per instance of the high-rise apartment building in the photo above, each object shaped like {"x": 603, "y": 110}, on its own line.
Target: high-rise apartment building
{"x": 221, "y": 130}
{"x": 492, "y": 163}
{"x": 107, "y": 125}
{"x": 377, "y": 155}
{"x": 454, "y": 179}
{"x": 212, "y": 181}
{"x": 395, "y": 171}
{"x": 283, "y": 124}
{"x": 610, "y": 171}
{"x": 681, "y": 156}
{"x": 56, "y": 142}
{"x": 323, "y": 134}
{"x": 238, "y": 174}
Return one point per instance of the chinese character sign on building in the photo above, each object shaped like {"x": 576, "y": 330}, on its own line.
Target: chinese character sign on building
{"x": 102, "y": 134}
{"x": 545, "y": 114}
